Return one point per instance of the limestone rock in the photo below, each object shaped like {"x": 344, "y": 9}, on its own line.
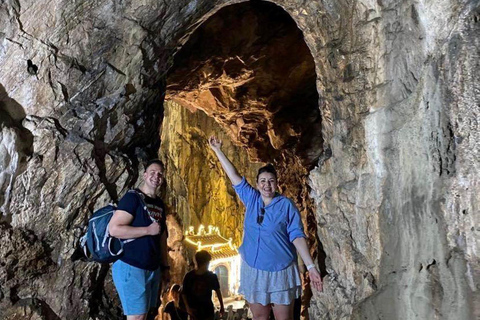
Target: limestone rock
{"x": 198, "y": 191}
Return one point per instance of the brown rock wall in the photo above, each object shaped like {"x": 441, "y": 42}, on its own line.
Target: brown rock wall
{"x": 197, "y": 190}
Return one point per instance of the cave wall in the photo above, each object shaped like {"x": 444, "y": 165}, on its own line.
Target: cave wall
{"x": 389, "y": 200}
{"x": 396, "y": 187}
{"x": 197, "y": 190}
{"x": 90, "y": 100}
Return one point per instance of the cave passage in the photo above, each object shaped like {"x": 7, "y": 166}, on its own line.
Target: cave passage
{"x": 247, "y": 76}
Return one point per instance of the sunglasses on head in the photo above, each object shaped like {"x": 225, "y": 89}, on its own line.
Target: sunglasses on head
{"x": 261, "y": 216}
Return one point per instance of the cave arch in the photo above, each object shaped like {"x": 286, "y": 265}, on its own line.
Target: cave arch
{"x": 252, "y": 54}
{"x": 247, "y": 74}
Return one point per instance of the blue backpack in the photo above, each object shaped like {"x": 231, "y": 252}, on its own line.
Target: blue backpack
{"x": 97, "y": 244}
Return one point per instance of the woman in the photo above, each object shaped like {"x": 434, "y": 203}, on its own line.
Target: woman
{"x": 273, "y": 233}
{"x": 173, "y": 310}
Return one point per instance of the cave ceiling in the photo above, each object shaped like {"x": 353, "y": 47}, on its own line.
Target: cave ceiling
{"x": 249, "y": 68}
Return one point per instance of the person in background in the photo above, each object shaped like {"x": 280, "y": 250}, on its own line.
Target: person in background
{"x": 174, "y": 310}
{"x": 273, "y": 234}
{"x": 198, "y": 285}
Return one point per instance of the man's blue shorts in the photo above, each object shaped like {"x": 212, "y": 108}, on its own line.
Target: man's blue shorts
{"x": 137, "y": 288}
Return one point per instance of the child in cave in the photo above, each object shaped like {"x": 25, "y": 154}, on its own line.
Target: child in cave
{"x": 198, "y": 285}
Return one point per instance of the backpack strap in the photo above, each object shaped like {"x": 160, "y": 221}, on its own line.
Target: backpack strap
{"x": 141, "y": 196}
{"x": 83, "y": 245}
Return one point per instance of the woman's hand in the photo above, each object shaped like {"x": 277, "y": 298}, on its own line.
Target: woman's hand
{"x": 227, "y": 166}
{"x": 215, "y": 143}
{"x": 315, "y": 279}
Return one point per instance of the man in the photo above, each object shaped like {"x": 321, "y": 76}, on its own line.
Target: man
{"x": 198, "y": 285}
{"x": 137, "y": 274}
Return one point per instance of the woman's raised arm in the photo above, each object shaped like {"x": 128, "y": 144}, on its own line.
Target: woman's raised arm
{"x": 227, "y": 166}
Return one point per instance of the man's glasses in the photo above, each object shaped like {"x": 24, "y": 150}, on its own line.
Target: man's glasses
{"x": 261, "y": 216}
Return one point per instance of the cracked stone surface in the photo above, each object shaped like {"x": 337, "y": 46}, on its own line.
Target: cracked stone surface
{"x": 196, "y": 189}
{"x": 370, "y": 110}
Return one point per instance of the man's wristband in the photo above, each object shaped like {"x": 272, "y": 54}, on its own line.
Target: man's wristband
{"x": 310, "y": 266}
{"x": 164, "y": 268}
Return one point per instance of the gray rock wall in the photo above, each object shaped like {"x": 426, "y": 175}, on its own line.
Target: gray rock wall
{"x": 388, "y": 199}
{"x": 397, "y": 201}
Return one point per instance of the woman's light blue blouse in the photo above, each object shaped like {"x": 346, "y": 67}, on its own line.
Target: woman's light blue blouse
{"x": 268, "y": 246}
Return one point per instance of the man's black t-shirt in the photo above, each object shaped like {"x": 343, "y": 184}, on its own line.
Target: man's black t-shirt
{"x": 144, "y": 252}
{"x": 198, "y": 290}
{"x": 174, "y": 312}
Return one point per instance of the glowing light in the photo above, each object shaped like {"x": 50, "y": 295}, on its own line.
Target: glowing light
{"x": 211, "y": 240}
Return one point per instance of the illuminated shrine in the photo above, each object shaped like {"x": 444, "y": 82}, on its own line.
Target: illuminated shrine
{"x": 225, "y": 257}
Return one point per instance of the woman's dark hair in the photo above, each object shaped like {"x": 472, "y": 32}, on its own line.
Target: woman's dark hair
{"x": 202, "y": 257}
{"x": 175, "y": 288}
{"x": 268, "y": 168}
{"x": 154, "y": 161}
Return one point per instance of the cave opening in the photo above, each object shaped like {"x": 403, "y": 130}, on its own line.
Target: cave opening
{"x": 247, "y": 76}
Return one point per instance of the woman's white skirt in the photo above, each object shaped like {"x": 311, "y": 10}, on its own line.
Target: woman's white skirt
{"x": 265, "y": 287}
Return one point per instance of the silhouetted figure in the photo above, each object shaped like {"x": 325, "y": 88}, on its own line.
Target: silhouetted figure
{"x": 197, "y": 290}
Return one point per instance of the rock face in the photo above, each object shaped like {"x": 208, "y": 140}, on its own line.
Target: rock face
{"x": 197, "y": 191}
{"x": 251, "y": 82}
{"x": 368, "y": 108}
